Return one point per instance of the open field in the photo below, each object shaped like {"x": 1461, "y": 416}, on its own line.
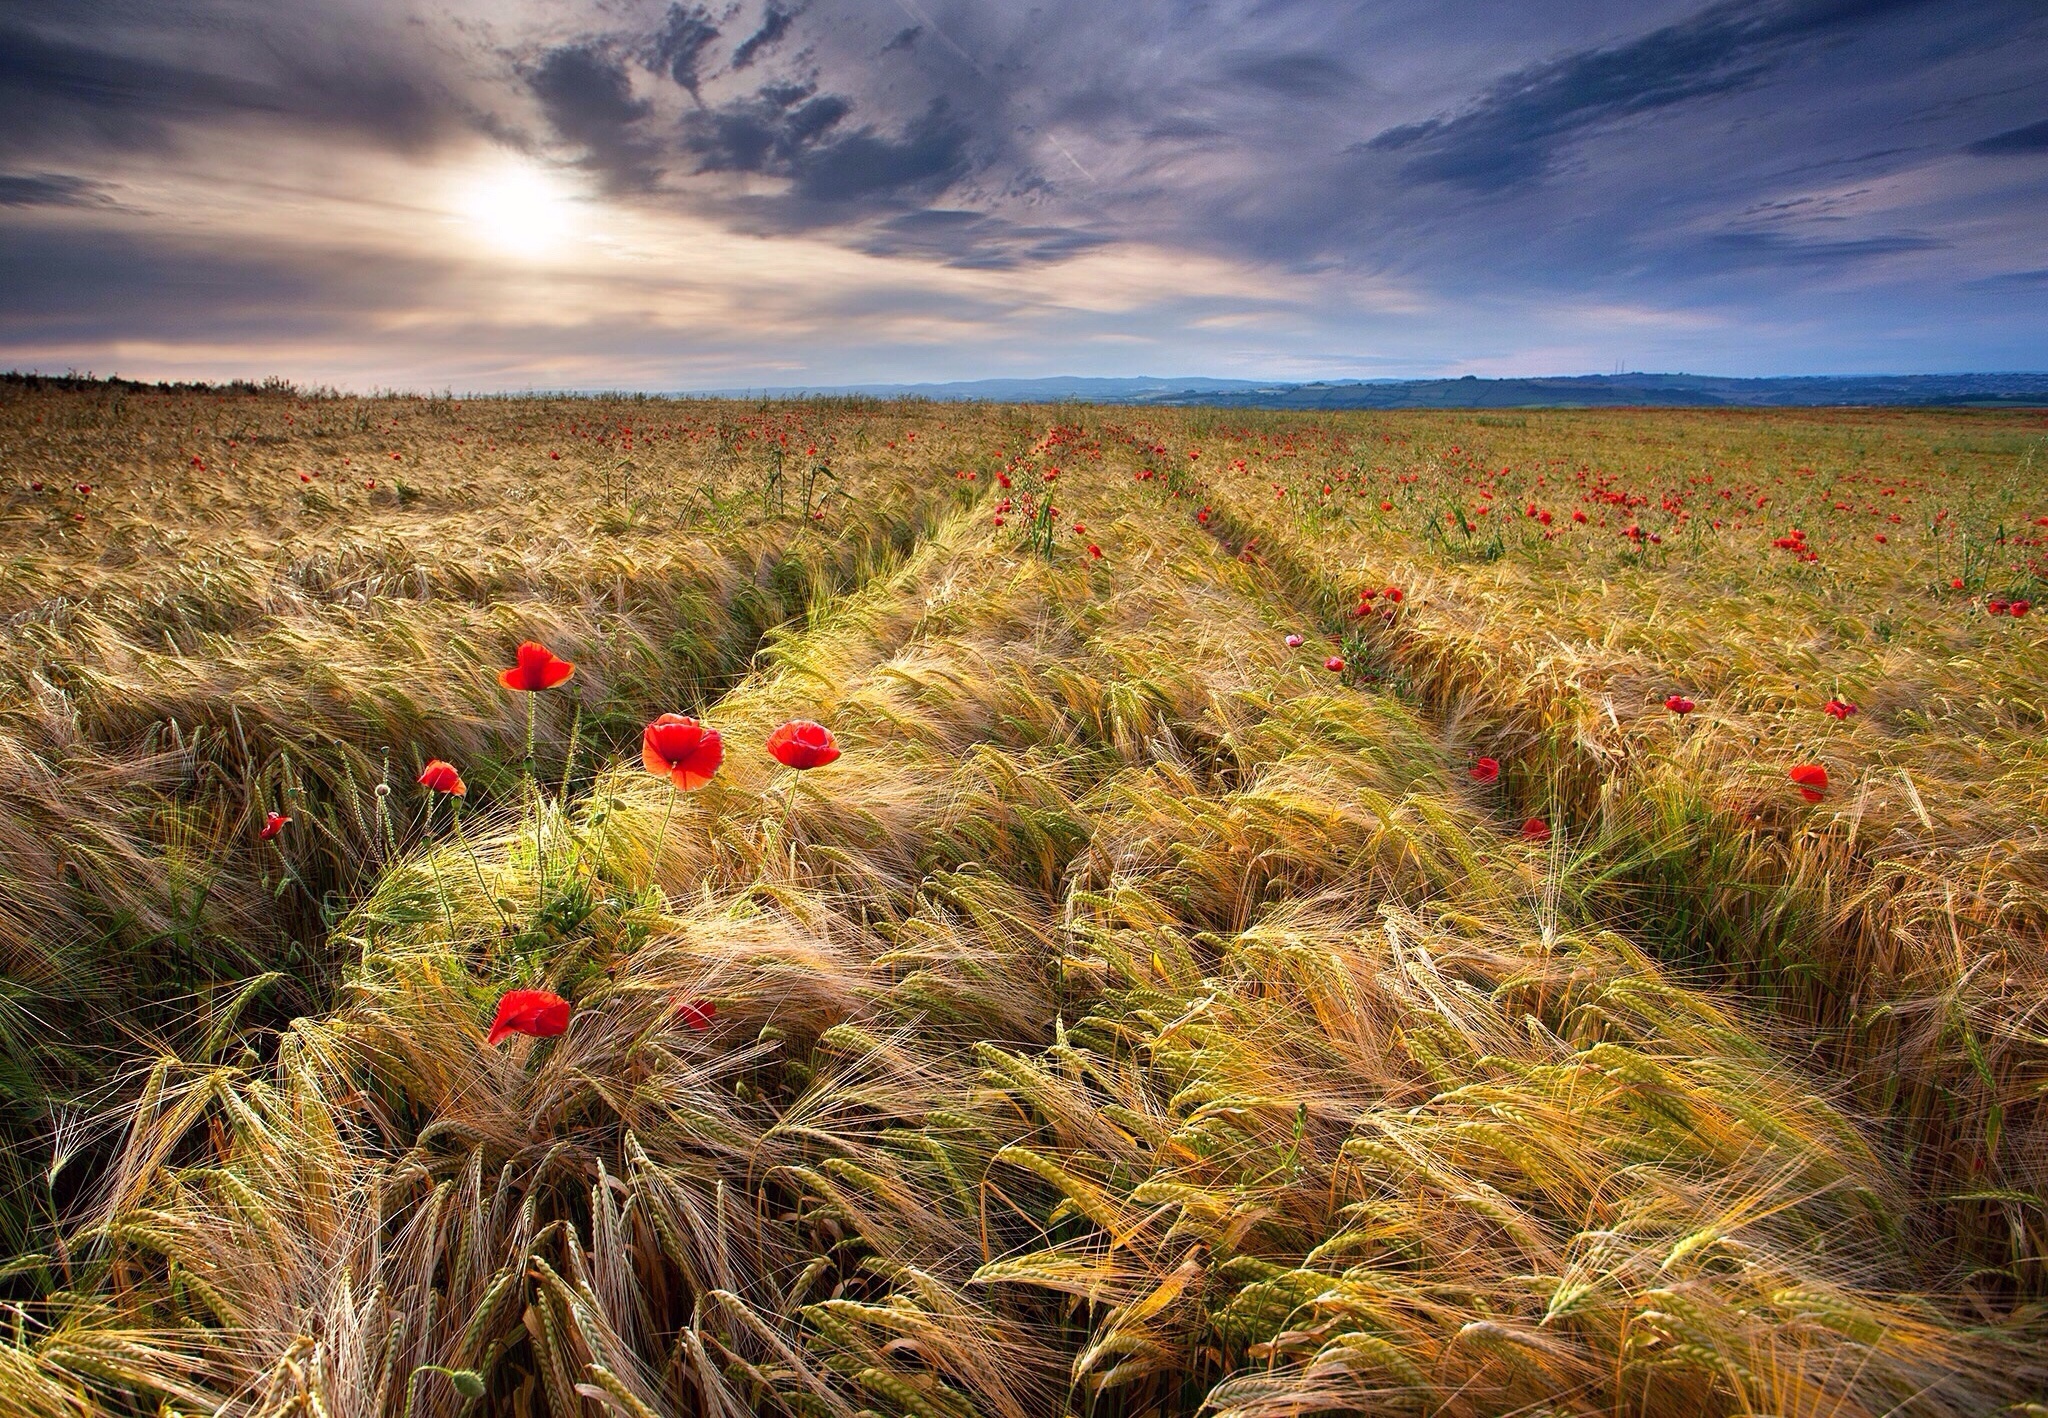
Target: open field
{"x": 1143, "y": 1016}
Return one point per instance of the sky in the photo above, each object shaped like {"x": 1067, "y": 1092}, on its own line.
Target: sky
{"x": 623, "y": 195}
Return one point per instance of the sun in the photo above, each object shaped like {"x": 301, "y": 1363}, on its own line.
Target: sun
{"x": 519, "y": 209}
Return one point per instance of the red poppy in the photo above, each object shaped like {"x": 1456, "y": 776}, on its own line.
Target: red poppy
{"x": 1294, "y": 642}
{"x": 538, "y": 668}
{"x": 1956, "y": 584}
{"x": 1486, "y": 770}
{"x": 696, "y": 1014}
{"x": 1679, "y": 704}
{"x": 1335, "y": 664}
{"x": 273, "y": 823}
{"x": 440, "y": 777}
{"x": 1812, "y": 780}
{"x": 802, "y": 744}
{"x": 1996, "y": 606}
{"x": 1094, "y": 551}
{"x": 2019, "y": 608}
{"x": 1386, "y": 507}
{"x": 1394, "y": 594}
{"x": 680, "y": 749}
{"x": 539, "y": 1014}
{"x": 1536, "y": 830}
{"x": 1838, "y": 708}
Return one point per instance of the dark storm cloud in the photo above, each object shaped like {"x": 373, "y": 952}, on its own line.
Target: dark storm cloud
{"x": 678, "y": 47}
{"x": 1512, "y": 134}
{"x": 51, "y": 189}
{"x": 124, "y": 285}
{"x": 588, "y": 99}
{"x": 774, "y": 25}
{"x": 2031, "y": 139}
{"x": 792, "y": 132}
{"x": 96, "y": 74}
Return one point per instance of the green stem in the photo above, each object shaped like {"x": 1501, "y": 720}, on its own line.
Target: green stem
{"x": 478, "y": 867}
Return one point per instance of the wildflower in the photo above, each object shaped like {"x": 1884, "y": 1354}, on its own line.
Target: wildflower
{"x": 538, "y": 668}
{"x": 1094, "y": 552}
{"x": 2019, "y": 608}
{"x": 273, "y": 823}
{"x": 1535, "y": 830}
{"x": 1486, "y": 770}
{"x": 1812, "y": 780}
{"x": 680, "y": 749}
{"x": 801, "y": 744}
{"x": 1838, "y": 708}
{"x": 1956, "y": 584}
{"x": 1679, "y": 704}
{"x": 539, "y": 1014}
{"x": 1335, "y": 664}
{"x": 1997, "y": 605}
{"x": 440, "y": 776}
{"x": 1394, "y": 594}
{"x": 1386, "y": 506}
{"x": 1294, "y": 642}
{"x": 696, "y": 1014}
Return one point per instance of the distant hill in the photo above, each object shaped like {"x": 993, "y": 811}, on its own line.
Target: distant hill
{"x": 1564, "y": 391}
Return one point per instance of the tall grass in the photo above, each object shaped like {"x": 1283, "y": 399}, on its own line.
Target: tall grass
{"x": 1138, "y": 1019}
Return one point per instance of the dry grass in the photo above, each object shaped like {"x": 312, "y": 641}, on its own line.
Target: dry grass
{"x": 1136, "y": 1020}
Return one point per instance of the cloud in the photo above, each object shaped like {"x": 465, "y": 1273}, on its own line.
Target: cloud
{"x": 1750, "y": 250}
{"x": 774, "y": 25}
{"x": 51, "y": 189}
{"x": 1302, "y": 74}
{"x": 792, "y": 132}
{"x": 90, "y": 75}
{"x": 2031, "y": 139}
{"x": 588, "y": 99}
{"x": 1513, "y": 133}
{"x": 678, "y": 47}
{"x": 974, "y": 241}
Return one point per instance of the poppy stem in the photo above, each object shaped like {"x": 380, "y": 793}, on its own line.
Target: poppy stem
{"x": 532, "y": 786}
{"x": 661, "y": 837}
{"x": 434, "y": 867}
{"x": 788, "y": 809}
{"x": 478, "y": 867}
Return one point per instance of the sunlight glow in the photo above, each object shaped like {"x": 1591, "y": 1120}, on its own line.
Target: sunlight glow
{"x": 519, "y": 209}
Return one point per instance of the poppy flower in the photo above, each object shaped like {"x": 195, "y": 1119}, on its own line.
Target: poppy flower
{"x": 1996, "y": 606}
{"x": 1838, "y": 708}
{"x": 1956, "y": 584}
{"x": 273, "y": 823}
{"x": 539, "y": 1014}
{"x": 1535, "y": 830}
{"x": 440, "y": 777}
{"x": 1812, "y": 780}
{"x": 1679, "y": 704}
{"x": 1485, "y": 770}
{"x": 1294, "y": 642}
{"x": 680, "y": 749}
{"x": 538, "y": 668}
{"x": 1386, "y": 506}
{"x": 1335, "y": 664}
{"x": 802, "y": 744}
{"x": 2019, "y": 608}
{"x": 1094, "y": 551}
{"x": 696, "y": 1014}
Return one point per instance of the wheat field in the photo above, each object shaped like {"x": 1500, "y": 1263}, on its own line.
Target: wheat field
{"x": 1418, "y": 913}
